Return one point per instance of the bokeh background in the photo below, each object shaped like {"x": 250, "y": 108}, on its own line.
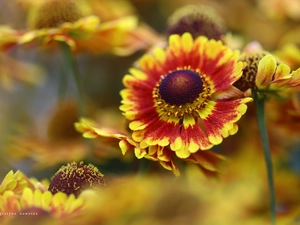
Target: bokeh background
{"x": 27, "y": 109}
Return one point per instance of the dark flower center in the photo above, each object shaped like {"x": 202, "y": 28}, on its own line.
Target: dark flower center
{"x": 52, "y": 13}
{"x": 197, "y": 20}
{"x": 180, "y": 87}
{"x": 76, "y": 177}
{"x": 247, "y": 80}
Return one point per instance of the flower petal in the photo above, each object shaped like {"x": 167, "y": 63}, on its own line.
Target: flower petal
{"x": 220, "y": 122}
{"x": 265, "y": 71}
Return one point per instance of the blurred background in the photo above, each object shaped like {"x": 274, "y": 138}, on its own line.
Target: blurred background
{"x": 38, "y": 102}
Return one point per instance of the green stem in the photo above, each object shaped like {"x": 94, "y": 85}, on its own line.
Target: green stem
{"x": 71, "y": 63}
{"x": 72, "y": 66}
{"x": 63, "y": 83}
{"x": 260, "y": 114}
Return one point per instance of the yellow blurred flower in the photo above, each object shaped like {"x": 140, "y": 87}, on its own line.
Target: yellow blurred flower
{"x": 240, "y": 192}
{"x": 108, "y": 10}
{"x": 8, "y": 37}
{"x": 156, "y": 200}
{"x": 289, "y": 54}
{"x": 74, "y": 23}
{"x": 236, "y": 197}
{"x": 46, "y": 153}
{"x": 44, "y": 207}
{"x": 15, "y": 182}
{"x": 285, "y": 117}
{"x": 56, "y": 141}
{"x": 13, "y": 71}
{"x": 281, "y": 10}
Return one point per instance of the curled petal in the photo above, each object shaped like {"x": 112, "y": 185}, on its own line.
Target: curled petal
{"x": 265, "y": 72}
{"x": 90, "y": 129}
{"x": 295, "y": 80}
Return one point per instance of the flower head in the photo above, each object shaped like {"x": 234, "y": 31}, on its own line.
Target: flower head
{"x": 199, "y": 20}
{"x": 173, "y": 98}
{"x": 52, "y": 13}
{"x": 75, "y": 177}
{"x": 178, "y": 102}
{"x": 247, "y": 80}
{"x": 15, "y": 182}
{"x": 44, "y": 205}
{"x": 265, "y": 73}
{"x": 76, "y": 24}
{"x": 56, "y": 140}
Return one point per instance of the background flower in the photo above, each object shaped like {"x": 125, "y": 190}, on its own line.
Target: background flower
{"x": 15, "y": 182}
{"x": 75, "y": 23}
{"x": 13, "y": 71}
{"x": 43, "y": 206}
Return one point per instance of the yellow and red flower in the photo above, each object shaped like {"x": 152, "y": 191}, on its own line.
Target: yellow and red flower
{"x": 179, "y": 103}
{"x": 176, "y": 97}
